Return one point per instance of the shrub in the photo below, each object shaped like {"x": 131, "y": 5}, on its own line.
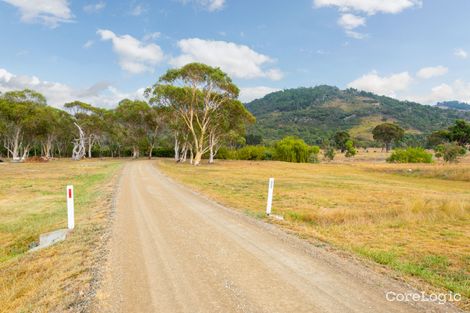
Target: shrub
{"x": 225, "y": 153}
{"x": 291, "y": 149}
{"x": 329, "y": 153}
{"x": 313, "y": 157}
{"x": 410, "y": 155}
{"x": 253, "y": 153}
{"x": 350, "y": 150}
{"x": 450, "y": 152}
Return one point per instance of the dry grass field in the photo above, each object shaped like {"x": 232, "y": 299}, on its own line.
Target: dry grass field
{"x": 412, "y": 220}
{"x": 32, "y": 201}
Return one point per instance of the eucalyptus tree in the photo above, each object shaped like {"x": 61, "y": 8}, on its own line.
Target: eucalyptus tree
{"x": 133, "y": 115}
{"x": 155, "y": 120}
{"x": 52, "y": 126}
{"x": 18, "y": 111}
{"x": 228, "y": 125}
{"x": 195, "y": 92}
{"x": 90, "y": 123}
{"x": 387, "y": 133}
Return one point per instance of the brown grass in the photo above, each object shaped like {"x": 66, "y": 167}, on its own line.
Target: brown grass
{"x": 415, "y": 224}
{"x": 32, "y": 201}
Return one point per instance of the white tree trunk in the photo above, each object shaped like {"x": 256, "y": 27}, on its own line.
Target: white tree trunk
{"x": 177, "y": 148}
{"x": 25, "y": 153}
{"x": 79, "y": 150}
{"x": 15, "y": 145}
{"x": 47, "y": 147}
{"x": 184, "y": 153}
{"x": 91, "y": 142}
{"x": 135, "y": 152}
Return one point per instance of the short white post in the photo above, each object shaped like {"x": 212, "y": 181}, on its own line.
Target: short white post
{"x": 70, "y": 208}
{"x": 270, "y": 196}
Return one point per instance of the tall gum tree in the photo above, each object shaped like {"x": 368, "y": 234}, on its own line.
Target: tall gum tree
{"x": 195, "y": 92}
{"x": 228, "y": 125}
{"x": 18, "y": 111}
{"x": 138, "y": 123}
{"x": 89, "y": 120}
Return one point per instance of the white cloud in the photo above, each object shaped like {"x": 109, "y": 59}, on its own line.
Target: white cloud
{"x": 461, "y": 53}
{"x": 94, "y": 7}
{"x": 355, "y": 35}
{"x": 382, "y": 85}
{"x": 237, "y": 60}
{"x": 151, "y": 36}
{"x": 88, "y": 44}
{"x": 458, "y": 90}
{"x": 134, "y": 56}
{"x": 351, "y": 21}
{"x": 248, "y": 94}
{"x": 430, "y": 72}
{"x": 369, "y": 6}
{"x": 138, "y": 10}
{"x": 214, "y": 5}
{"x": 100, "y": 94}
{"x": 47, "y": 12}
{"x": 209, "y": 5}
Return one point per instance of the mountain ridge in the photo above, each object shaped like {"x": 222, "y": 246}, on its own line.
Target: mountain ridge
{"x": 316, "y": 113}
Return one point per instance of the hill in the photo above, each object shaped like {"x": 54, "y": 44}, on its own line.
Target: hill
{"x": 318, "y": 112}
{"x": 454, "y": 105}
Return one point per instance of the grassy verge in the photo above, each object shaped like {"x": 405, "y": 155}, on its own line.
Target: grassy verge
{"x": 416, "y": 225}
{"x": 32, "y": 201}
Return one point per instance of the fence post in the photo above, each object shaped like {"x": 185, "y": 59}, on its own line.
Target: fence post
{"x": 70, "y": 208}
{"x": 270, "y": 196}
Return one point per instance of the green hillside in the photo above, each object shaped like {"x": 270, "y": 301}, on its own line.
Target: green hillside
{"x": 454, "y": 105}
{"x": 318, "y": 112}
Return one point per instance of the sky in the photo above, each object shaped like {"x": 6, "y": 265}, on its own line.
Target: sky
{"x": 101, "y": 51}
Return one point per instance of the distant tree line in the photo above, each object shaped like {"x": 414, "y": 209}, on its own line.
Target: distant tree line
{"x": 193, "y": 113}
{"x": 194, "y": 109}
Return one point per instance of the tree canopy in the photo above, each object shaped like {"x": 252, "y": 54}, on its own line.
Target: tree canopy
{"x": 387, "y": 133}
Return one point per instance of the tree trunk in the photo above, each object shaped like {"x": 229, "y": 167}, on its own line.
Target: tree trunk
{"x": 191, "y": 156}
{"x": 47, "y": 147}
{"x": 197, "y": 157}
{"x": 150, "y": 152}
{"x": 135, "y": 152}
{"x": 184, "y": 153}
{"x": 211, "y": 154}
{"x": 90, "y": 145}
{"x": 79, "y": 151}
{"x": 15, "y": 154}
{"x": 177, "y": 149}
{"x": 25, "y": 153}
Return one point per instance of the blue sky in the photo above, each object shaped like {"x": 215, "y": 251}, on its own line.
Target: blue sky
{"x": 102, "y": 51}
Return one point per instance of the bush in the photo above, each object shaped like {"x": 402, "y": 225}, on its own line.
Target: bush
{"x": 410, "y": 155}
{"x": 164, "y": 152}
{"x": 291, "y": 149}
{"x": 225, "y": 153}
{"x": 329, "y": 153}
{"x": 450, "y": 152}
{"x": 350, "y": 149}
{"x": 251, "y": 153}
{"x": 313, "y": 157}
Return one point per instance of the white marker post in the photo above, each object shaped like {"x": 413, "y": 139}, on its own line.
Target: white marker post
{"x": 70, "y": 208}
{"x": 270, "y": 196}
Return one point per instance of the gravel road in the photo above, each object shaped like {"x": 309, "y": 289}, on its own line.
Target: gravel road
{"x": 172, "y": 250}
